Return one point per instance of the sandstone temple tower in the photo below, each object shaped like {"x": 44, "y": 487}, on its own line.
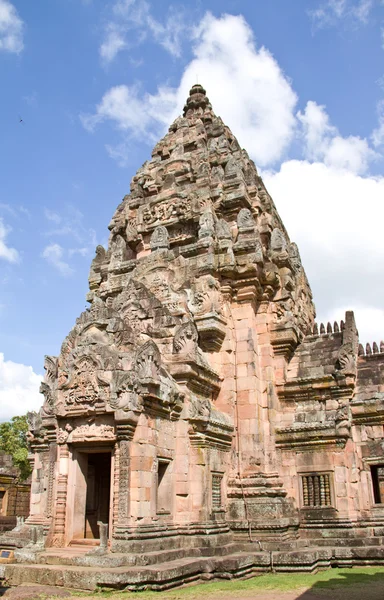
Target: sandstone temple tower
{"x": 195, "y": 409}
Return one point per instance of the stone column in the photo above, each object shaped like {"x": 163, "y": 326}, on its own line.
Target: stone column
{"x": 58, "y": 538}
{"x": 121, "y": 511}
{"x": 37, "y": 511}
{"x": 124, "y": 481}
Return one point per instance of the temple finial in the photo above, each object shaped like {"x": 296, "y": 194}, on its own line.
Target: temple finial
{"x": 196, "y": 100}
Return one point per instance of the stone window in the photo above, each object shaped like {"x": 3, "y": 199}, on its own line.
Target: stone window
{"x": 316, "y": 489}
{"x": 377, "y": 473}
{"x": 217, "y": 479}
{"x": 164, "y": 489}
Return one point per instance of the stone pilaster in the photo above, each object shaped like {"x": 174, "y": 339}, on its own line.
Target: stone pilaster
{"x": 58, "y": 538}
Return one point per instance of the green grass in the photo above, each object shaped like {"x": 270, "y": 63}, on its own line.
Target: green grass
{"x": 332, "y": 578}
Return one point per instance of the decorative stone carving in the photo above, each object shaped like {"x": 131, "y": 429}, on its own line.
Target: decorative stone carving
{"x": 124, "y": 392}
{"x": 245, "y": 220}
{"x": 118, "y": 248}
{"x": 173, "y": 210}
{"x": 207, "y": 224}
{"x": 83, "y": 387}
{"x": 185, "y": 339}
{"x": 346, "y": 364}
{"x": 148, "y": 362}
{"x": 160, "y": 238}
{"x": 347, "y": 360}
{"x": 47, "y": 391}
{"x": 294, "y": 255}
{"x": 206, "y": 307}
{"x": 223, "y": 230}
{"x": 278, "y": 241}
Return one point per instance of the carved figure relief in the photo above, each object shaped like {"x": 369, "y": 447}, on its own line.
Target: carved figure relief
{"x": 206, "y": 297}
{"x": 124, "y": 394}
{"x": 118, "y": 248}
{"x": 185, "y": 339}
{"x": 148, "y": 361}
{"x": 82, "y": 386}
{"x": 178, "y": 208}
{"x": 207, "y": 224}
{"x": 160, "y": 238}
{"x": 245, "y": 219}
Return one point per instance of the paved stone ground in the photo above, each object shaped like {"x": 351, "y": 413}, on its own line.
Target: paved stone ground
{"x": 30, "y": 592}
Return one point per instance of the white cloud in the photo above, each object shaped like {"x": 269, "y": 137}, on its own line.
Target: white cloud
{"x": 335, "y": 217}
{"x": 114, "y": 42}
{"x": 54, "y": 254}
{"x": 19, "y": 389}
{"x": 134, "y": 16}
{"x": 11, "y": 28}
{"x": 122, "y": 105}
{"x": 332, "y": 12}
{"x": 323, "y": 142}
{"x": 244, "y": 83}
{"x": 7, "y": 253}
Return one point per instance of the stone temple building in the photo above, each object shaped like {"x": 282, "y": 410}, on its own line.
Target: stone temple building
{"x": 197, "y": 420}
{"x": 14, "y": 494}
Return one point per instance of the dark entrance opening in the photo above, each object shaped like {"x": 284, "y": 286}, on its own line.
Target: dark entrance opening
{"x": 377, "y": 472}
{"x": 98, "y": 493}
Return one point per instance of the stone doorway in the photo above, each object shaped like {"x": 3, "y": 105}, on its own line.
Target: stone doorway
{"x": 91, "y": 493}
{"x": 98, "y": 493}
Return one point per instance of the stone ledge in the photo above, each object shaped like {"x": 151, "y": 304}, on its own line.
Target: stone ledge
{"x": 188, "y": 570}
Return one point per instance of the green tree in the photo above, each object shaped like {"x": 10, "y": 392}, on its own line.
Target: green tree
{"x": 13, "y": 441}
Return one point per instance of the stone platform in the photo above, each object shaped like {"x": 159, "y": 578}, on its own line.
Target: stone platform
{"x": 77, "y": 568}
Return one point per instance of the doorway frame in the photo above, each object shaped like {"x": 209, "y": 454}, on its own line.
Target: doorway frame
{"x": 76, "y": 478}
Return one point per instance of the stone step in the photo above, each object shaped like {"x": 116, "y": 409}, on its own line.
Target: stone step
{"x": 163, "y": 576}
{"x": 81, "y": 556}
{"x": 188, "y": 570}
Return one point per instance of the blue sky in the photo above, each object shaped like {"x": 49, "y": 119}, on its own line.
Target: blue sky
{"x": 97, "y": 82}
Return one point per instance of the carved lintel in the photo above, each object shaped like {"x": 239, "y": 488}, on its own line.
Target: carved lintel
{"x": 310, "y": 436}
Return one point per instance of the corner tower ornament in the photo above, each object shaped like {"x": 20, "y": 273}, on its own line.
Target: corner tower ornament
{"x": 195, "y": 402}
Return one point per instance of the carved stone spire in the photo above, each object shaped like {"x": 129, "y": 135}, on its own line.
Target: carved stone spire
{"x": 197, "y": 99}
